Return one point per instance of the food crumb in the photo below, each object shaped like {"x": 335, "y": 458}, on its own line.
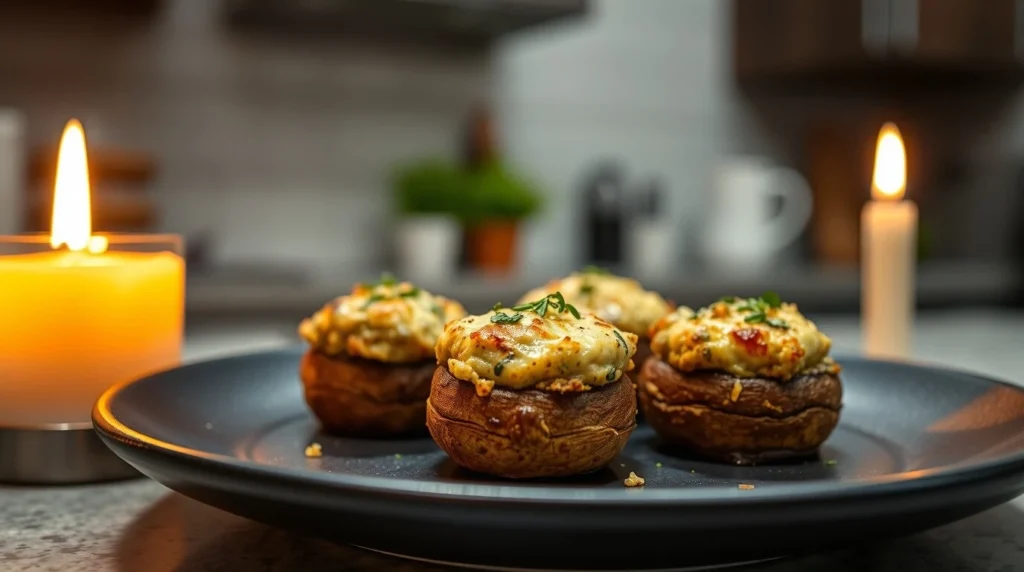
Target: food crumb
{"x": 692, "y": 471}
{"x": 398, "y": 455}
{"x": 634, "y": 480}
{"x": 622, "y": 464}
{"x": 773, "y": 407}
{"x": 657, "y": 465}
{"x": 831, "y": 463}
{"x": 737, "y": 389}
{"x": 745, "y": 487}
{"x": 314, "y": 450}
{"x": 209, "y": 425}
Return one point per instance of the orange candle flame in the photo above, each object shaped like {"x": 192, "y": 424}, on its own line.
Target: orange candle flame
{"x": 889, "y": 181}
{"x": 71, "y": 225}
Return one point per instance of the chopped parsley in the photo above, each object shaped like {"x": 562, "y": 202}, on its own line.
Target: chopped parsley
{"x": 503, "y": 318}
{"x": 777, "y": 323}
{"x": 622, "y": 341}
{"x": 555, "y": 301}
{"x": 756, "y": 318}
{"x": 388, "y": 280}
{"x": 771, "y": 299}
{"x": 375, "y": 297}
{"x": 758, "y": 308}
{"x": 410, "y": 293}
{"x": 500, "y": 366}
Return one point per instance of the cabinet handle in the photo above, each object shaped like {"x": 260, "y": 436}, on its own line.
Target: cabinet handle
{"x": 889, "y": 27}
{"x": 874, "y": 27}
{"x": 903, "y": 26}
{"x": 1018, "y": 29}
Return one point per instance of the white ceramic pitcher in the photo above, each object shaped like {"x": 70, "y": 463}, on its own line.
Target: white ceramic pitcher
{"x": 742, "y": 234}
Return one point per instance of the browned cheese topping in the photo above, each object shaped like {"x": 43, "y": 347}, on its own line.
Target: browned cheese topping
{"x": 393, "y": 322}
{"x": 546, "y": 344}
{"x": 621, "y": 301}
{"x": 752, "y": 337}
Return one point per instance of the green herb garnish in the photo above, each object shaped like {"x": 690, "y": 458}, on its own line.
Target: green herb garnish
{"x": 387, "y": 279}
{"x": 750, "y": 305}
{"x": 497, "y": 307}
{"x": 503, "y": 318}
{"x": 728, "y": 299}
{"x": 556, "y": 301}
{"x": 586, "y": 289}
{"x": 771, "y": 299}
{"x": 831, "y": 463}
{"x": 755, "y": 318}
{"x": 777, "y": 323}
{"x": 410, "y": 293}
{"x": 622, "y": 341}
{"x": 591, "y": 269}
{"x": 500, "y": 366}
{"x": 376, "y": 297}
{"x": 759, "y": 310}
{"x": 611, "y": 374}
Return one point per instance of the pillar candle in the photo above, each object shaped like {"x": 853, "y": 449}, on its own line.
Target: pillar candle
{"x": 888, "y": 251}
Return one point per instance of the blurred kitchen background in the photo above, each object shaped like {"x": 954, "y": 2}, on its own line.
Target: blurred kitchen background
{"x": 482, "y": 147}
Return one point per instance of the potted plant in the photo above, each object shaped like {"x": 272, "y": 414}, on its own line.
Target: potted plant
{"x": 497, "y": 200}
{"x": 429, "y": 198}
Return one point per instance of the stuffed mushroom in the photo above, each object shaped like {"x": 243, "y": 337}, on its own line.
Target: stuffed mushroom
{"x": 538, "y": 390}
{"x": 743, "y": 380}
{"x": 371, "y": 358}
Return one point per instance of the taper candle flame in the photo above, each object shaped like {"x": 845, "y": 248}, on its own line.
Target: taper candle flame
{"x": 890, "y": 177}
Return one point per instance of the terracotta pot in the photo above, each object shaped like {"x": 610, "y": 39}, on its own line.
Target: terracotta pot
{"x": 491, "y": 246}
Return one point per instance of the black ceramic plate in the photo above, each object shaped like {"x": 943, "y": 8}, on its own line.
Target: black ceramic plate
{"x": 917, "y": 447}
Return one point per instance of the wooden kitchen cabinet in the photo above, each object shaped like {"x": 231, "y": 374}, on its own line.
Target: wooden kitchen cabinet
{"x": 476, "y": 23}
{"x": 844, "y": 42}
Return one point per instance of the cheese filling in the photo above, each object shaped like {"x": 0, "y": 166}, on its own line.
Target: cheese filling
{"x": 544, "y": 348}
{"x": 621, "y": 301}
{"x": 388, "y": 322}
{"x": 755, "y": 337}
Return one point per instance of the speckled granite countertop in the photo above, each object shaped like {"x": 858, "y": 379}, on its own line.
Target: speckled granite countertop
{"x": 140, "y": 526}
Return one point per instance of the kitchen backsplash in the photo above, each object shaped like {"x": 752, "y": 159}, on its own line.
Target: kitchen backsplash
{"x": 279, "y": 150}
{"x": 275, "y": 150}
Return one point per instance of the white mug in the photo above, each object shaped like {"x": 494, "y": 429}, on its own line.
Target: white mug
{"x": 741, "y": 234}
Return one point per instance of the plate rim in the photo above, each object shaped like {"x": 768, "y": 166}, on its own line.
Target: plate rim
{"x": 113, "y": 430}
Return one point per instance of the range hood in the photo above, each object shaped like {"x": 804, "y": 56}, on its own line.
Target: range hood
{"x": 447, "y": 22}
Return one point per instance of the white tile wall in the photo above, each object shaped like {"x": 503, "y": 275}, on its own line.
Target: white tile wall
{"x": 281, "y": 147}
{"x": 645, "y": 82}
